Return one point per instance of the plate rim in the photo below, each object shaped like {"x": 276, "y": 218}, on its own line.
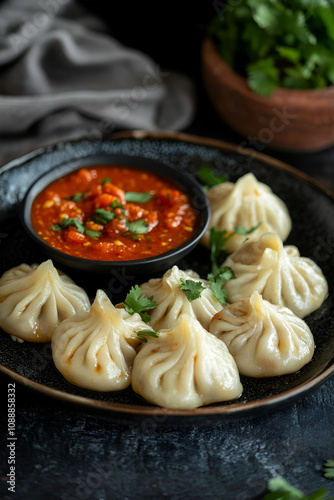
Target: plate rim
{"x": 234, "y": 409}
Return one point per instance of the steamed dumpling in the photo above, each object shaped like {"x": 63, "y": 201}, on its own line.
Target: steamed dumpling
{"x": 172, "y": 302}
{"x": 279, "y": 273}
{"x": 245, "y": 204}
{"x": 265, "y": 340}
{"x": 35, "y": 299}
{"x": 95, "y": 349}
{"x": 185, "y": 367}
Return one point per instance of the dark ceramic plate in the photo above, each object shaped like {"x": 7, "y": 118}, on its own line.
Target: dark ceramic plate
{"x": 312, "y": 212}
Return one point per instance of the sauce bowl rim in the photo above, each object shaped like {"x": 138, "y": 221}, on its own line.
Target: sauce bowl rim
{"x": 183, "y": 180}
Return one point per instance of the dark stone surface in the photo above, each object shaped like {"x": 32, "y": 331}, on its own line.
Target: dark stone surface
{"x": 63, "y": 453}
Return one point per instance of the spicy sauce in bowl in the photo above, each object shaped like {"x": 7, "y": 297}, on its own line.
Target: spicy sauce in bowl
{"x": 101, "y": 216}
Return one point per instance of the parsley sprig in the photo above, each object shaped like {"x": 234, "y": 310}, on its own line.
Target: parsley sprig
{"x": 136, "y": 302}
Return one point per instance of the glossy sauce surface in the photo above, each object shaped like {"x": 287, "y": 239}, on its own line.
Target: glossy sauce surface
{"x": 113, "y": 213}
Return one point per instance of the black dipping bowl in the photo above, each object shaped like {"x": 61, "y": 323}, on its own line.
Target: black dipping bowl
{"x": 150, "y": 265}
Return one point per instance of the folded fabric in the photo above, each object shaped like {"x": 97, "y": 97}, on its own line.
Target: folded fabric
{"x": 64, "y": 77}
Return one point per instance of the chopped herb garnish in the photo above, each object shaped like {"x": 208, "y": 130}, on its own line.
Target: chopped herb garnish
{"x": 104, "y": 181}
{"x": 192, "y": 289}
{"x": 69, "y": 222}
{"x": 144, "y": 334}
{"x": 220, "y": 275}
{"x": 133, "y": 197}
{"x": 218, "y": 280}
{"x": 245, "y": 232}
{"x": 219, "y": 238}
{"x": 279, "y": 489}
{"x": 217, "y": 241}
{"x": 116, "y": 204}
{"x": 135, "y": 238}
{"x": 92, "y": 234}
{"x": 102, "y": 216}
{"x": 136, "y": 302}
{"x": 208, "y": 178}
{"x": 76, "y": 197}
{"x": 329, "y": 469}
{"x": 137, "y": 226}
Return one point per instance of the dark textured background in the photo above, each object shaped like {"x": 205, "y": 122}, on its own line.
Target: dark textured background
{"x": 65, "y": 453}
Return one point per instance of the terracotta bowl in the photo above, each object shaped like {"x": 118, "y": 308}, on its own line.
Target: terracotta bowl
{"x": 292, "y": 120}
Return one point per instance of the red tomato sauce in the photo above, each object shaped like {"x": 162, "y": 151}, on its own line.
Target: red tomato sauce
{"x": 113, "y": 213}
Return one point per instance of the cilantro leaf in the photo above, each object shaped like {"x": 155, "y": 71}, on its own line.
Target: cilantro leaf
{"x": 116, "y": 204}
{"x": 133, "y": 197}
{"x": 263, "y": 76}
{"x": 218, "y": 280}
{"x": 102, "y": 216}
{"x": 93, "y": 234}
{"x": 328, "y": 469}
{"x": 218, "y": 292}
{"x": 218, "y": 239}
{"x": 136, "y": 302}
{"x": 280, "y": 485}
{"x": 250, "y": 38}
{"x": 208, "y": 178}
{"x": 224, "y": 273}
{"x": 69, "y": 222}
{"x": 265, "y": 16}
{"x": 76, "y": 197}
{"x": 243, "y": 231}
{"x": 280, "y": 489}
{"x": 144, "y": 334}
{"x": 192, "y": 289}
{"x": 137, "y": 226}
{"x": 105, "y": 180}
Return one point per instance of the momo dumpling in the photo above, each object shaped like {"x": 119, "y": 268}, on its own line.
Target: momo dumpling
{"x": 95, "y": 349}
{"x": 35, "y": 299}
{"x": 172, "y": 302}
{"x": 279, "y": 273}
{"x": 265, "y": 340}
{"x": 185, "y": 367}
{"x": 246, "y": 203}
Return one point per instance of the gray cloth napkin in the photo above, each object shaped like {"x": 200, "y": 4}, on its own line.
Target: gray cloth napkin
{"x": 63, "y": 77}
